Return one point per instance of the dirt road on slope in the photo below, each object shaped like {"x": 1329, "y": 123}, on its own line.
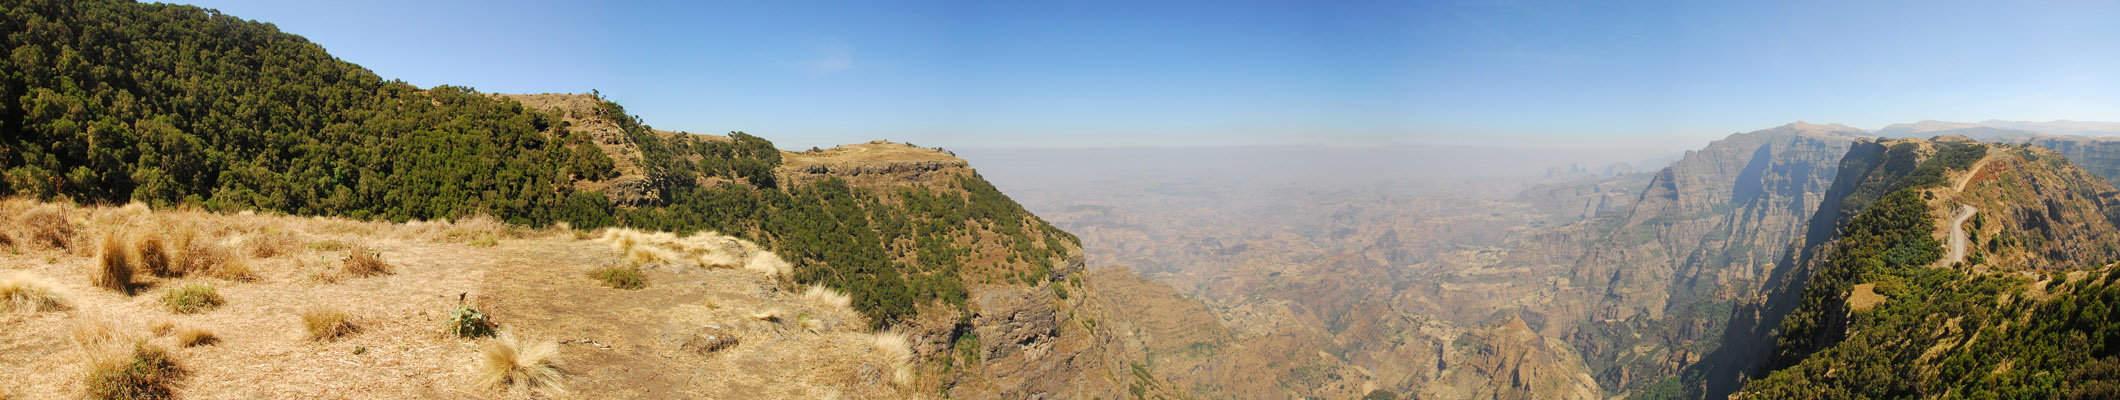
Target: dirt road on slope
{"x": 1958, "y": 239}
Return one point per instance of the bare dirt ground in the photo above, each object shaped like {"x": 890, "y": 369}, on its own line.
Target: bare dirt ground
{"x": 613, "y": 343}
{"x": 871, "y": 152}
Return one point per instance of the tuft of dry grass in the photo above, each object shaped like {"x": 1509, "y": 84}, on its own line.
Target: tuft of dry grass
{"x": 91, "y": 334}
{"x": 144, "y": 372}
{"x": 20, "y": 292}
{"x": 704, "y": 249}
{"x": 480, "y": 225}
{"x": 326, "y": 323}
{"x": 897, "y": 351}
{"x": 113, "y": 268}
{"x": 235, "y": 269}
{"x": 767, "y": 263}
{"x": 826, "y": 297}
{"x": 619, "y": 277}
{"x": 192, "y": 298}
{"x": 649, "y": 255}
{"x": 767, "y": 316}
{"x": 895, "y": 348}
{"x": 47, "y": 225}
{"x": 193, "y": 337}
{"x": 163, "y": 327}
{"x": 506, "y": 362}
{"x": 486, "y": 241}
{"x": 365, "y": 262}
{"x": 155, "y": 258}
{"x": 210, "y": 258}
{"x": 327, "y": 245}
{"x": 271, "y": 245}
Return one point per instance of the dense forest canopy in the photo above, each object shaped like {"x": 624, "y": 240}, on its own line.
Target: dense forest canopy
{"x": 113, "y": 101}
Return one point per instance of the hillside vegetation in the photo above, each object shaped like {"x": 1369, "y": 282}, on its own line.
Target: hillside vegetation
{"x": 112, "y": 101}
{"x": 2025, "y": 315}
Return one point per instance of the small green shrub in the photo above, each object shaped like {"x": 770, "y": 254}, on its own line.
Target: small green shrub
{"x": 469, "y": 322}
{"x": 618, "y": 277}
{"x": 193, "y": 298}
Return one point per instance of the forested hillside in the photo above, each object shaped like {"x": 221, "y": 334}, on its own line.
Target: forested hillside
{"x": 111, "y": 101}
{"x": 2025, "y": 313}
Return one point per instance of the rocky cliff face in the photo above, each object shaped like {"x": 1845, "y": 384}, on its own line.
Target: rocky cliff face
{"x": 1650, "y": 288}
{"x": 1025, "y": 340}
{"x": 1013, "y": 338}
{"x": 1508, "y": 360}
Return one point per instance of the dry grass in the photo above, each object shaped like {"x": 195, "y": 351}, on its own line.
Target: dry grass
{"x": 826, "y": 297}
{"x": 327, "y": 245}
{"x": 23, "y": 293}
{"x": 193, "y": 337}
{"x": 486, "y": 241}
{"x": 113, "y": 267}
{"x": 234, "y": 269}
{"x": 326, "y": 323}
{"x": 704, "y": 249}
{"x": 163, "y": 327}
{"x": 365, "y": 262}
{"x": 91, "y": 334}
{"x": 650, "y": 255}
{"x": 767, "y": 263}
{"x": 192, "y": 298}
{"x": 210, "y": 258}
{"x": 155, "y": 258}
{"x": 47, "y": 225}
{"x": 772, "y": 316}
{"x": 619, "y": 277}
{"x": 897, "y": 351}
{"x": 271, "y": 245}
{"x": 144, "y": 372}
{"x": 507, "y": 362}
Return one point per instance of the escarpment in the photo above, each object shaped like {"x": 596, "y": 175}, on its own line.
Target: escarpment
{"x": 1953, "y": 250}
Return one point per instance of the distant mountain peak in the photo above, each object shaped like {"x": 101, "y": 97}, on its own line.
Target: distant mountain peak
{"x": 1803, "y": 127}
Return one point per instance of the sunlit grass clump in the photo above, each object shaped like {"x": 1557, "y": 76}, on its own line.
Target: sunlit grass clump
{"x": 506, "y": 362}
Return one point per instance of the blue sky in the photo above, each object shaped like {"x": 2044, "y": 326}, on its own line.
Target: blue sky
{"x": 1667, "y": 75}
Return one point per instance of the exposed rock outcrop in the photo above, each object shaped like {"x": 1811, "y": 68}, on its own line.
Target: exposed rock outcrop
{"x": 1508, "y": 360}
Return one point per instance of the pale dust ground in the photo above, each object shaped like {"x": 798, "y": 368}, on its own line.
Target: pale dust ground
{"x": 614, "y": 343}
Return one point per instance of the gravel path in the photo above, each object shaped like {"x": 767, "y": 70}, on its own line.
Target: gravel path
{"x": 1958, "y": 238}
